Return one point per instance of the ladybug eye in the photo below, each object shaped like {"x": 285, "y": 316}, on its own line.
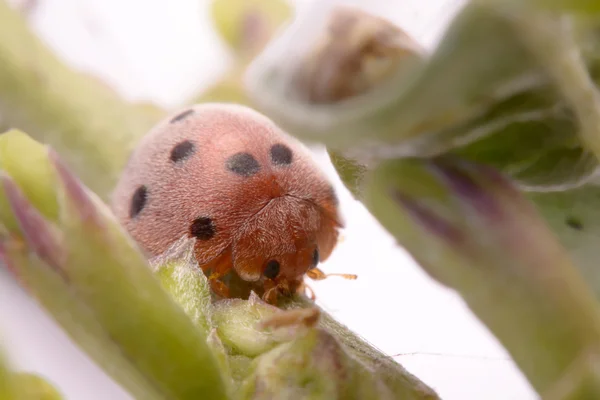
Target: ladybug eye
{"x": 315, "y": 259}
{"x": 272, "y": 269}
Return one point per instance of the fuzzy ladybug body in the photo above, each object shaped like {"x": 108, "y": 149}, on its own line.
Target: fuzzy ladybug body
{"x": 260, "y": 210}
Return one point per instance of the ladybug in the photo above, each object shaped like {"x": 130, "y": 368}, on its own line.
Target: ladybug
{"x": 261, "y": 212}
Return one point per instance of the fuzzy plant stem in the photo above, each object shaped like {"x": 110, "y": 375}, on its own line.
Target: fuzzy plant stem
{"x": 551, "y": 39}
{"x": 237, "y": 332}
{"x": 79, "y": 116}
{"x": 94, "y": 130}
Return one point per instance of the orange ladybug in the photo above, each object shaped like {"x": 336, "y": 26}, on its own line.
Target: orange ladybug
{"x": 262, "y": 213}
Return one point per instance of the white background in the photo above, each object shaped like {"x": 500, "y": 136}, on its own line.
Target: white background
{"x": 165, "y": 51}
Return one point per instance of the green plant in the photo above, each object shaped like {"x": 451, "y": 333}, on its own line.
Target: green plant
{"x": 482, "y": 161}
{"x": 23, "y": 386}
{"x": 481, "y": 158}
{"x": 150, "y": 324}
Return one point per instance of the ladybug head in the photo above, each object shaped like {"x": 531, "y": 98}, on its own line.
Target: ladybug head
{"x": 288, "y": 237}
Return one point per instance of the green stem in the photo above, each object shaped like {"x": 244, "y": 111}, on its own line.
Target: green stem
{"x": 396, "y": 377}
{"x": 79, "y": 116}
{"x": 551, "y": 39}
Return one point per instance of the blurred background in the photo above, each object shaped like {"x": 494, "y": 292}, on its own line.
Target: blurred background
{"x": 166, "y": 52}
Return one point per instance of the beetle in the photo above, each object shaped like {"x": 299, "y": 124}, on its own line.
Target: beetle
{"x": 261, "y": 212}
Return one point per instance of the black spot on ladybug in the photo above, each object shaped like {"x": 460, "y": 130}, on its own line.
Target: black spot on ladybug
{"x": 182, "y": 151}
{"x": 574, "y": 223}
{"x": 281, "y": 154}
{"x": 202, "y": 228}
{"x": 138, "y": 201}
{"x": 243, "y": 164}
{"x": 272, "y": 269}
{"x": 182, "y": 116}
{"x": 315, "y": 259}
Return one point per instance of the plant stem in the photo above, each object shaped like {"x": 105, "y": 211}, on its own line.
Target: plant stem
{"x": 83, "y": 119}
{"x": 551, "y": 39}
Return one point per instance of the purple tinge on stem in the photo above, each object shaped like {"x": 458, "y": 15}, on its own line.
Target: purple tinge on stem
{"x": 427, "y": 219}
{"x": 39, "y": 234}
{"x": 75, "y": 191}
{"x": 463, "y": 185}
{"x": 493, "y": 177}
{"x": 5, "y": 260}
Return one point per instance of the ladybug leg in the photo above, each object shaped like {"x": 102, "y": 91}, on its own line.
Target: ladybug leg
{"x": 317, "y": 275}
{"x": 273, "y": 289}
{"x": 284, "y": 287}
{"x": 219, "y": 268}
{"x": 271, "y": 294}
{"x": 218, "y": 287}
{"x": 303, "y": 288}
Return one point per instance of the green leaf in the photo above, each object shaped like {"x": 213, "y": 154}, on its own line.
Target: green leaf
{"x": 51, "y": 291}
{"x": 95, "y": 281}
{"x": 4, "y": 379}
{"x": 581, "y": 380}
{"x": 317, "y": 358}
{"x": 538, "y": 148}
{"x": 553, "y": 41}
{"x": 23, "y": 385}
{"x": 288, "y": 354}
{"x": 34, "y": 176}
{"x": 472, "y": 230}
{"x": 573, "y": 215}
{"x": 33, "y": 387}
{"x": 508, "y": 86}
{"x": 350, "y": 172}
{"x": 479, "y": 62}
{"x": 577, "y": 6}
{"x": 179, "y": 274}
{"x": 401, "y": 382}
{"x": 237, "y": 320}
